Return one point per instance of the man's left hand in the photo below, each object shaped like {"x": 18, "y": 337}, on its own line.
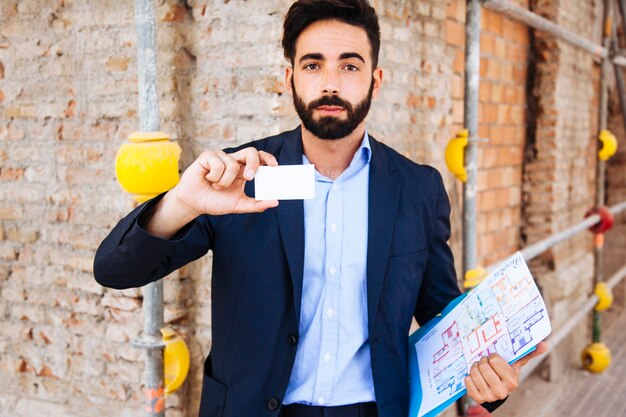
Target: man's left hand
{"x": 492, "y": 378}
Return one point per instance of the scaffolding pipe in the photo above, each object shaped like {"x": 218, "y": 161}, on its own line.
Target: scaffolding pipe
{"x": 581, "y": 312}
{"x": 598, "y": 247}
{"x": 534, "y": 250}
{"x": 149, "y": 122}
{"x": 472, "y": 81}
{"x": 515, "y": 12}
{"x": 619, "y": 72}
{"x": 537, "y": 248}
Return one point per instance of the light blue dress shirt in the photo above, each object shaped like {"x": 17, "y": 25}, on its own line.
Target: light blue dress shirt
{"x": 332, "y": 365}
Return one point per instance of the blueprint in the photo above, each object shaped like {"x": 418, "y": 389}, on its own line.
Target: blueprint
{"x": 505, "y": 314}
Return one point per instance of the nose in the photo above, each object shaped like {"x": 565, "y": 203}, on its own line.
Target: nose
{"x": 330, "y": 83}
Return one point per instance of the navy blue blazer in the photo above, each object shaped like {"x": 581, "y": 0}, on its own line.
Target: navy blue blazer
{"x": 257, "y": 280}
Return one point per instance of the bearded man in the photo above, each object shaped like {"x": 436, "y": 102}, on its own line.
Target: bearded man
{"x": 312, "y": 300}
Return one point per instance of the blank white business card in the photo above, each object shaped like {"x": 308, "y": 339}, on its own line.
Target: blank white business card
{"x": 285, "y": 182}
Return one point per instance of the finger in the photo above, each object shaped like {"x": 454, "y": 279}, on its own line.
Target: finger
{"x": 250, "y": 158}
{"x": 268, "y": 159}
{"x": 480, "y": 382}
{"x": 250, "y": 205}
{"x": 472, "y": 391}
{"x": 508, "y": 374}
{"x": 497, "y": 387}
{"x": 231, "y": 170}
{"x": 213, "y": 164}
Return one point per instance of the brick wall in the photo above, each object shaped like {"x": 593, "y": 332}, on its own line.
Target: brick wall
{"x": 560, "y": 162}
{"x": 503, "y": 64}
{"x": 68, "y": 100}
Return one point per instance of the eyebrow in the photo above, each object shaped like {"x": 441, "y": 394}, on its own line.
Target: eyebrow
{"x": 319, "y": 57}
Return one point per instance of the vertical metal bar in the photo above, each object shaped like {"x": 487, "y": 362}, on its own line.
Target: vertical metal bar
{"x": 149, "y": 122}
{"x": 147, "y": 66}
{"x": 470, "y": 120}
{"x": 600, "y": 192}
{"x": 619, "y": 71}
{"x": 472, "y": 80}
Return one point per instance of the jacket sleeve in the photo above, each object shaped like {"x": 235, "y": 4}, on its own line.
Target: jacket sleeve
{"x": 131, "y": 257}
{"x": 439, "y": 285}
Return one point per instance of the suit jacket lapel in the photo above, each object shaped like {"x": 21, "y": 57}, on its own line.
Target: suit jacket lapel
{"x": 384, "y": 196}
{"x": 290, "y": 215}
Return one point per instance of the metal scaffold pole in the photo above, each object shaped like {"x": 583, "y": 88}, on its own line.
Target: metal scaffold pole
{"x": 472, "y": 80}
{"x": 600, "y": 172}
{"x": 149, "y": 122}
{"x": 470, "y": 116}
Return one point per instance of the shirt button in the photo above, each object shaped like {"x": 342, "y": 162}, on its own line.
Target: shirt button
{"x": 321, "y": 400}
{"x": 327, "y": 357}
{"x": 272, "y": 404}
{"x": 333, "y": 227}
{"x": 330, "y": 312}
{"x": 292, "y": 339}
{"x": 335, "y": 186}
{"x": 332, "y": 270}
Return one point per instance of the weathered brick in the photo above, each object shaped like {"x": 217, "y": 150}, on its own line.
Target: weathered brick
{"x": 117, "y": 63}
{"x": 121, "y": 303}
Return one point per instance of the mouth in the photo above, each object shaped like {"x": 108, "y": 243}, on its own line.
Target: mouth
{"x": 330, "y": 110}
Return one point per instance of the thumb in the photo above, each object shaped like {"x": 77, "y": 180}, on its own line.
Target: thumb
{"x": 542, "y": 347}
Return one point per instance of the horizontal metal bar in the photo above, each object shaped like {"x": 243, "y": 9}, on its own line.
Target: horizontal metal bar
{"x": 619, "y": 60}
{"x": 618, "y": 208}
{"x": 580, "y": 312}
{"x": 537, "y": 248}
{"x": 532, "y": 251}
{"x": 515, "y": 12}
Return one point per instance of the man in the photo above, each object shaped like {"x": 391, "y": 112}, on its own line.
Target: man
{"x": 311, "y": 300}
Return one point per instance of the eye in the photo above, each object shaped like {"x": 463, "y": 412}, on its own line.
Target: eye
{"x": 311, "y": 66}
{"x": 351, "y": 67}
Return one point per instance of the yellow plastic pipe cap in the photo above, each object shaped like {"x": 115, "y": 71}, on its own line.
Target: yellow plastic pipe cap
{"x": 147, "y": 165}
{"x": 175, "y": 360}
{"x": 596, "y": 357}
{"x": 455, "y": 155}
{"x": 605, "y": 296}
{"x": 473, "y": 277}
{"x": 609, "y": 145}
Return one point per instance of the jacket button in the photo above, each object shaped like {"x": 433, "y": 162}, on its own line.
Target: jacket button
{"x": 272, "y": 404}
{"x": 292, "y": 339}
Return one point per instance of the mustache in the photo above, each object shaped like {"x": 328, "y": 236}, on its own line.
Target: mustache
{"x": 330, "y": 101}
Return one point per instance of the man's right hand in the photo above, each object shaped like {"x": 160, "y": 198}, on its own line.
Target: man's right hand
{"x": 212, "y": 184}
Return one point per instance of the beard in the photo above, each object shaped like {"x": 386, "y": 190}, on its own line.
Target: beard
{"x": 330, "y": 127}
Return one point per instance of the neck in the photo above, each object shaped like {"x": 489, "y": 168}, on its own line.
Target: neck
{"x": 331, "y": 157}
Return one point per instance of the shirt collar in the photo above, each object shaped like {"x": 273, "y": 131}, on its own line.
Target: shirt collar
{"x": 364, "y": 151}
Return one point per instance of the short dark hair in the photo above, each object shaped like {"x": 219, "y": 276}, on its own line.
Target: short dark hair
{"x": 353, "y": 12}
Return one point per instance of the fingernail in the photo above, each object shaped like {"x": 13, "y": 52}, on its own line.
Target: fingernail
{"x": 249, "y": 174}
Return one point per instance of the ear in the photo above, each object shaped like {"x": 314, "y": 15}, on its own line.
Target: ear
{"x": 378, "y": 82}
{"x": 288, "y": 75}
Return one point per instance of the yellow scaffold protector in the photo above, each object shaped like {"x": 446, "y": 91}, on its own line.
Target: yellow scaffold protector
{"x": 175, "y": 360}
{"x": 147, "y": 164}
{"x": 596, "y": 357}
{"x": 609, "y": 145}
{"x": 605, "y": 296}
{"x": 455, "y": 155}
{"x": 473, "y": 277}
